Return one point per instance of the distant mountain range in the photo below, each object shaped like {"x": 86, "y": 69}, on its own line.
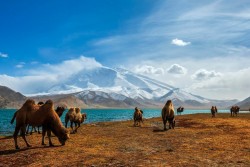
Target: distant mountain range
{"x": 105, "y": 87}
{"x": 245, "y": 104}
{"x": 10, "y": 98}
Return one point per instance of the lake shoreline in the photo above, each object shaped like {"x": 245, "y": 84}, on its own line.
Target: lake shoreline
{"x": 197, "y": 140}
{"x": 93, "y": 116}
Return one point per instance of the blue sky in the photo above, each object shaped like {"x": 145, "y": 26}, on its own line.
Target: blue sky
{"x": 48, "y": 32}
{"x": 200, "y": 46}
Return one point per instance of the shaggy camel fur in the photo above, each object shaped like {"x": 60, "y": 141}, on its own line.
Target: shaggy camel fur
{"x": 33, "y": 127}
{"x": 34, "y": 115}
{"x": 59, "y": 111}
{"x": 167, "y": 114}
{"x": 74, "y": 116}
{"x": 138, "y": 117}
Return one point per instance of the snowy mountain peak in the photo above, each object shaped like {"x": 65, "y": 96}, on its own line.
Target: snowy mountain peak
{"x": 120, "y": 84}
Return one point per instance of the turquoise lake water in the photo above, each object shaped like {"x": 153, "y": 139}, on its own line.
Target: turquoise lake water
{"x": 93, "y": 115}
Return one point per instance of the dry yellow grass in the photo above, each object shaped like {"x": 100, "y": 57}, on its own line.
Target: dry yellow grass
{"x": 197, "y": 140}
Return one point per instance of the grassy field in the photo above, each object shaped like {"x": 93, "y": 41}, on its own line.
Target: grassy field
{"x": 197, "y": 140}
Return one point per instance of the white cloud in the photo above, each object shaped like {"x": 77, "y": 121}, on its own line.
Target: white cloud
{"x": 20, "y": 65}
{"x": 177, "y": 69}
{"x": 67, "y": 67}
{"x": 180, "y": 42}
{"x": 203, "y": 74}
{"x": 146, "y": 69}
{"x": 34, "y": 62}
{"x": 42, "y": 78}
{"x": 3, "y": 55}
{"x": 231, "y": 85}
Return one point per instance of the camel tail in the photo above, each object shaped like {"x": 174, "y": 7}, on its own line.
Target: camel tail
{"x": 13, "y": 118}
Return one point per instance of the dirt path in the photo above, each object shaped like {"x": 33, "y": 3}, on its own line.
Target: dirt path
{"x": 197, "y": 140}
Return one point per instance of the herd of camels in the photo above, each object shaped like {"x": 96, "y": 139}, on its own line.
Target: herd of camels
{"x": 44, "y": 115}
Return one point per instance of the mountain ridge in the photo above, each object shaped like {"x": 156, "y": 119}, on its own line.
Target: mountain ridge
{"x": 104, "y": 87}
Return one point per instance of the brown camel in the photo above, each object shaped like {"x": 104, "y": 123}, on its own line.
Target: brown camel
{"x": 213, "y": 111}
{"x": 35, "y": 115}
{"x": 74, "y": 116}
{"x": 167, "y": 114}
{"x": 234, "y": 110}
{"x": 138, "y": 117}
{"x": 180, "y": 110}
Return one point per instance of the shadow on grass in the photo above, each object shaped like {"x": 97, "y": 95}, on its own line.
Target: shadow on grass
{"x": 8, "y": 152}
{"x": 159, "y": 130}
{"x": 6, "y": 137}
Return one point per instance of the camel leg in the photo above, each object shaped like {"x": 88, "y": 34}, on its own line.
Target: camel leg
{"x": 49, "y": 136}
{"x": 173, "y": 124}
{"x": 164, "y": 123}
{"x": 27, "y": 131}
{"x": 17, "y": 128}
{"x": 43, "y": 135}
{"x": 71, "y": 125}
{"x": 77, "y": 125}
{"x": 23, "y": 129}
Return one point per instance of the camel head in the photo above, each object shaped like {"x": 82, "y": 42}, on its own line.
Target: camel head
{"x": 60, "y": 110}
{"x": 64, "y": 136}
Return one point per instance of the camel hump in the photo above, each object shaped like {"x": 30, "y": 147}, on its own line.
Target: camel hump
{"x": 78, "y": 110}
{"x": 168, "y": 109}
{"x": 49, "y": 102}
{"x": 29, "y": 102}
{"x": 71, "y": 110}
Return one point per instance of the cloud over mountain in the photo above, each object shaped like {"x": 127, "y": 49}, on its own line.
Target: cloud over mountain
{"x": 146, "y": 69}
{"x": 204, "y": 74}
{"x": 177, "y": 69}
{"x": 39, "y": 79}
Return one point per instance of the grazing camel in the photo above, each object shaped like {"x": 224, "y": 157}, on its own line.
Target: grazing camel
{"x": 59, "y": 111}
{"x": 74, "y": 116}
{"x": 234, "y": 110}
{"x": 167, "y": 114}
{"x": 34, "y": 115}
{"x": 213, "y": 111}
{"x": 138, "y": 117}
{"x": 180, "y": 110}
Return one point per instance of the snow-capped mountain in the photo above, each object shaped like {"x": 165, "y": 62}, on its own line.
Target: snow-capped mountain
{"x": 120, "y": 84}
{"x": 107, "y": 87}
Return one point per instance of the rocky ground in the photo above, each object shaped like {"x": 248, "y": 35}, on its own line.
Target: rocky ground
{"x": 197, "y": 140}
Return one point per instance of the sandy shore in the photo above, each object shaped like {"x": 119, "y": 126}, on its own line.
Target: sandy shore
{"x": 197, "y": 140}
